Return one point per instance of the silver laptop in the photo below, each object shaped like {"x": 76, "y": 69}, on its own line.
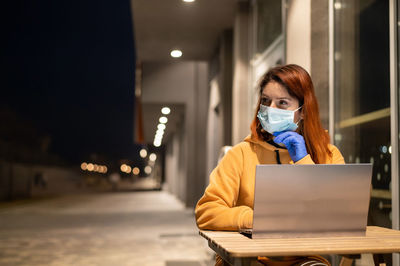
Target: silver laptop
{"x": 311, "y": 200}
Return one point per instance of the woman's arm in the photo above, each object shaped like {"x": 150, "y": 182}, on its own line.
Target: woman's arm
{"x": 217, "y": 209}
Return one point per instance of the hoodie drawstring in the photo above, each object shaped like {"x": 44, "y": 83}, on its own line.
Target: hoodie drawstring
{"x": 278, "y": 159}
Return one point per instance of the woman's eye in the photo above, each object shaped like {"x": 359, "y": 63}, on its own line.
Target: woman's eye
{"x": 282, "y": 102}
{"x": 265, "y": 101}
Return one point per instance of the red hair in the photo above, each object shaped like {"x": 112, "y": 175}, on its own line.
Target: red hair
{"x": 299, "y": 85}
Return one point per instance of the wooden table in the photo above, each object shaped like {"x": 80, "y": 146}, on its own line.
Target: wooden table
{"x": 237, "y": 249}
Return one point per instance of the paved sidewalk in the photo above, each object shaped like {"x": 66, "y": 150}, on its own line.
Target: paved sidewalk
{"x": 122, "y": 228}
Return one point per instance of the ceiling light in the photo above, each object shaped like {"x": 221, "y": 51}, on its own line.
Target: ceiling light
{"x": 157, "y": 143}
{"x": 161, "y": 126}
{"x": 165, "y": 110}
{"x": 128, "y": 169}
{"x": 188, "y": 1}
{"x": 136, "y": 171}
{"x": 123, "y": 168}
{"x": 153, "y": 157}
{"x": 176, "y": 53}
{"x": 143, "y": 153}
{"x": 101, "y": 169}
{"x": 90, "y": 167}
{"x": 163, "y": 120}
{"x": 147, "y": 170}
{"x": 84, "y": 166}
{"x": 338, "y": 5}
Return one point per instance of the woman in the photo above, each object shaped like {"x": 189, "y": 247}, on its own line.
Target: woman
{"x": 286, "y": 129}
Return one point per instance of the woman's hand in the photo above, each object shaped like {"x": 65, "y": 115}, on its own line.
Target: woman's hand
{"x": 294, "y": 142}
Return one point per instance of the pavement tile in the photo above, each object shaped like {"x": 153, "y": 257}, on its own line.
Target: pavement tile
{"x": 126, "y": 228}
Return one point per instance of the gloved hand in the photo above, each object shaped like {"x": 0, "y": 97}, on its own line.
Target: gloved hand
{"x": 294, "y": 142}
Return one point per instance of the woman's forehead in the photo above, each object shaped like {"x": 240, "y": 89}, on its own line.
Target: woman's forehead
{"x": 275, "y": 90}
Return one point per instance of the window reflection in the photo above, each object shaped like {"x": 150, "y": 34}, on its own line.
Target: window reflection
{"x": 362, "y": 95}
{"x": 269, "y": 23}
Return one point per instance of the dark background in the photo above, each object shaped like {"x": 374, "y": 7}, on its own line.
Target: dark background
{"x": 67, "y": 81}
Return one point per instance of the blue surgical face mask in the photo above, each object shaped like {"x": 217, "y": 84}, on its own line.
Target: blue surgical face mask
{"x": 277, "y": 120}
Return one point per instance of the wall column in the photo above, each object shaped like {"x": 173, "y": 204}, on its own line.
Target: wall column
{"x": 241, "y": 89}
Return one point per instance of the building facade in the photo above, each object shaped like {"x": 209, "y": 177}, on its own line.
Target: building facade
{"x": 350, "y": 49}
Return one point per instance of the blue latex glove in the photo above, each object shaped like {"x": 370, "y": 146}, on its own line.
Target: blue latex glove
{"x": 294, "y": 142}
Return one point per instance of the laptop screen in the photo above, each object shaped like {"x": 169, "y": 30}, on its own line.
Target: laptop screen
{"x": 307, "y": 199}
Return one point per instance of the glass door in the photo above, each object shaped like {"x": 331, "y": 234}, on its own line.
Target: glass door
{"x": 362, "y": 95}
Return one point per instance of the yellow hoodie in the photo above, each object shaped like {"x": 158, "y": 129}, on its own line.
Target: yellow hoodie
{"x": 227, "y": 203}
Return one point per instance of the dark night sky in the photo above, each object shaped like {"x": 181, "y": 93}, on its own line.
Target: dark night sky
{"x": 68, "y": 66}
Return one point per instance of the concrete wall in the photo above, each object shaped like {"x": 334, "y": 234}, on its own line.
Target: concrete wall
{"x": 198, "y": 162}
{"x": 174, "y": 172}
{"x": 320, "y": 56}
{"x": 59, "y": 181}
{"x": 307, "y": 44}
{"x": 183, "y": 82}
{"x": 15, "y": 180}
{"x": 188, "y": 83}
{"x": 241, "y": 103}
{"x": 219, "y": 106}
{"x": 18, "y": 181}
{"x": 225, "y": 84}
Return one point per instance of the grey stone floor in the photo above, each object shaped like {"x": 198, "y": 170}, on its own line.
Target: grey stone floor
{"x": 121, "y": 228}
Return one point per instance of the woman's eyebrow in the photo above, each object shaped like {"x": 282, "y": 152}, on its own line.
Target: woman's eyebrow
{"x": 279, "y": 98}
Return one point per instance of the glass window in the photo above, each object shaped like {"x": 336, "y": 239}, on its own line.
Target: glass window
{"x": 269, "y": 23}
{"x": 362, "y": 95}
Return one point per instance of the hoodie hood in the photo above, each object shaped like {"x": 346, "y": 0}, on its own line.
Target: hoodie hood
{"x": 255, "y": 140}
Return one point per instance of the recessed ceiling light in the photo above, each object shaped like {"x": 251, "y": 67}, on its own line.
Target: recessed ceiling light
{"x": 165, "y": 110}
{"x": 123, "y": 167}
{"x": 338, "y": 5}
{"x": 90, "y": 167}
{"x": 147, "y": 170}
{"x": 153, "y": 157}
{"x": 136, "y": 171}
{"x": 163, "y": 120}
{"x": 143, "y": 153}
{"x": 188, "y": 1}
{"x": 160, "y": 132}
{"x": 157, "y": 143}
{"x": 84, "y": 166}
{"x": 176, "y": 53}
